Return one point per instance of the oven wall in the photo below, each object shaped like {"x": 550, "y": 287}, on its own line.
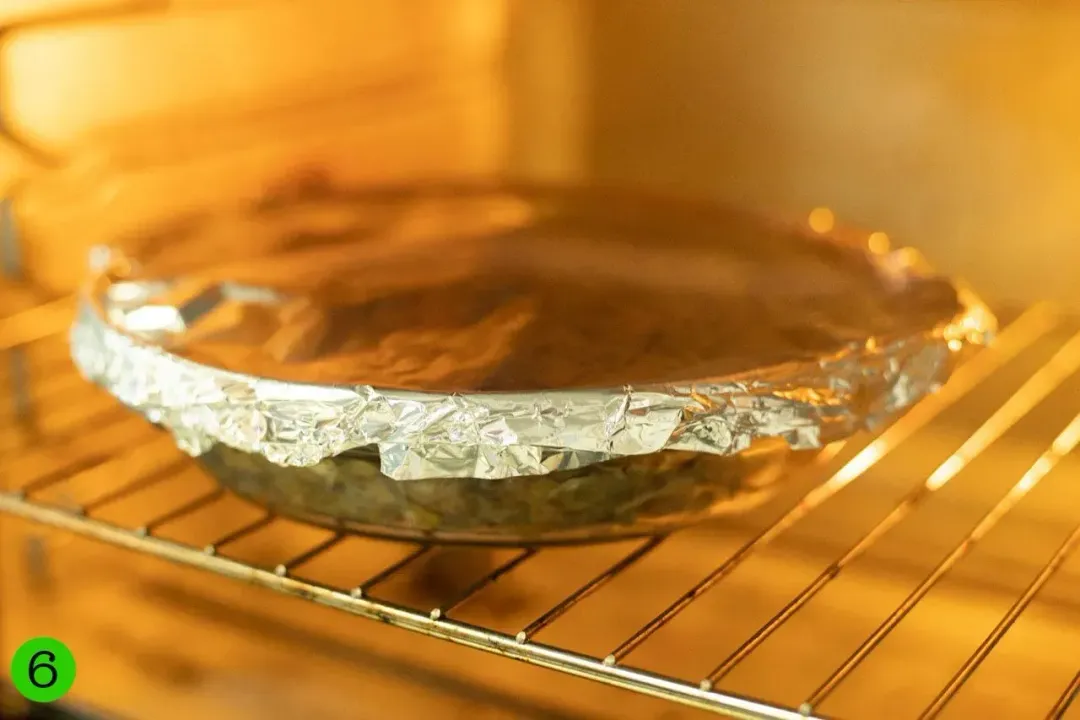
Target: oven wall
{"x": 949, "y": 124}
{"x": 115, "y": 116}
{"x": 952, "y": 125}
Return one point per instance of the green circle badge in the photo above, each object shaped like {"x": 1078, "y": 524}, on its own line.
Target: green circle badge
{"x": 43, "y": 669}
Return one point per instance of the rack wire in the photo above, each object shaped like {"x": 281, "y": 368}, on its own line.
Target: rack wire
{"x": 37, "y": 468}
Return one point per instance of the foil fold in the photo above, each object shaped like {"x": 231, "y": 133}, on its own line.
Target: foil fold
{"x": 507, "y": 434}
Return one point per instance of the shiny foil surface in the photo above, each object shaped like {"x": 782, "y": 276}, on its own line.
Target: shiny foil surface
{"x": 494, "y": 331}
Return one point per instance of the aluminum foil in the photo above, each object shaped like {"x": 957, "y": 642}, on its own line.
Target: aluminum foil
{"x": 170, "y": 348}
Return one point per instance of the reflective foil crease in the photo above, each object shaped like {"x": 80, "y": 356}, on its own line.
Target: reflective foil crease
{"x": 491, "y": 435}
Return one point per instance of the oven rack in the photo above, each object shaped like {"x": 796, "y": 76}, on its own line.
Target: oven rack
{"x": 1040, "y": 324}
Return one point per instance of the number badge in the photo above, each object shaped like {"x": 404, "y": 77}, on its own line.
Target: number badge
{"x": 43, "y": 669}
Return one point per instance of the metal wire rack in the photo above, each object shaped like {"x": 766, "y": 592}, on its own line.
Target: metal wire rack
{"x": 36, "y": 468}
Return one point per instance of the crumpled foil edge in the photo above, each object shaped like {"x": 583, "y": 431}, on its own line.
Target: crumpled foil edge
{"x": 501, "y": 435}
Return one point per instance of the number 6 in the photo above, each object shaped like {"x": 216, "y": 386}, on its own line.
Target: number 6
{"x": 43, "y": 665}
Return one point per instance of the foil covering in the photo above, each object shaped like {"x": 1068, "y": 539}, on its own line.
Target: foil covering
{"x": 125, "y": 339}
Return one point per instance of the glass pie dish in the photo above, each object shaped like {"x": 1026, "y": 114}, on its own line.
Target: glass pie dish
{"x": 508, "y": 364}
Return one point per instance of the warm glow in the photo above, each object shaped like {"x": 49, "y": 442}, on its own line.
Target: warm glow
{"x": 821, "y": 220}
{"x": 878, "y": 243}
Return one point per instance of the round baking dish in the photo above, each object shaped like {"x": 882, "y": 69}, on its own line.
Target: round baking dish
{"x": 502, "y": 363}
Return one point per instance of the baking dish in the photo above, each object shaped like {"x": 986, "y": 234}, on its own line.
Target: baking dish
{"x": 506, "y": 363}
